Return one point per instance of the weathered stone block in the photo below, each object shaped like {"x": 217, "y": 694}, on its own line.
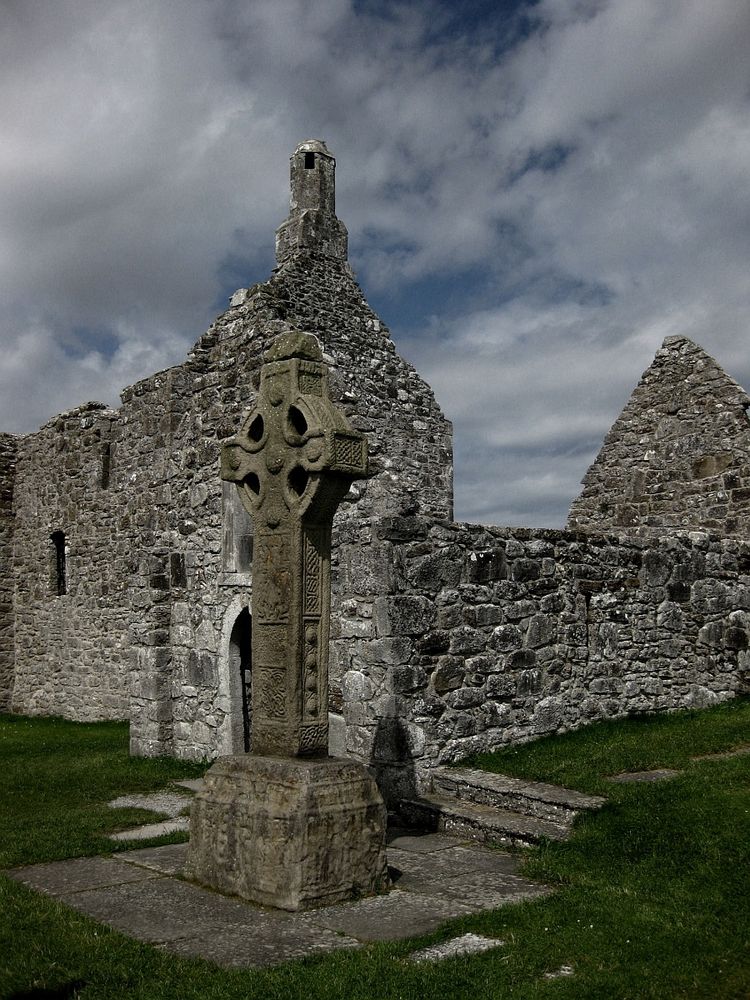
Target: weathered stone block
{"x": 288, "y": 833}
{"x": 448, "y": 675}
{"x": 405, "y": 679}
{"x": 442, "y": 567}
{"x": 526, "y": 569}
{"x": 541, "y": 631}
{"x": 402, "y": 615}
{"x": 434, "y": 643}
{"x": 466, "y": 641}
{"x": 735, "y": 638}
{"x": 402, "y": 528}
{"x": 355, "y": 686}
{"x": 201, "y": 668}
{"x": 367, "y": 570}
{"x": 506, "y": 638}
{"x": 388, "y": 651}
{"x": 522, "y": 659}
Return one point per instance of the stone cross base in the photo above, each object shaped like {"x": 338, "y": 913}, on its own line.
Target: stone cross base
{"x": 289, "y": 833}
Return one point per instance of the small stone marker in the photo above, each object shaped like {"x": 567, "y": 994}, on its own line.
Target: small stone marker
{"x": 286, "y": 825}
{"x": 562, "y": 973}
{"x": 467, "y": 944}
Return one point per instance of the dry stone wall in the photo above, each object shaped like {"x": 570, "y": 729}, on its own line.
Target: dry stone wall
{"x": 469, "y": 638}
{"x": 678, "y": 457}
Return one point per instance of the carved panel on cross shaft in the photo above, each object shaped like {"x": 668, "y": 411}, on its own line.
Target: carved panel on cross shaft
{"x": 348, "y": 451}
{"x": 270, "y": 645}
{"x": 271, "y": 694}
{"x": 313, "y": 560}
{"x": 310, "y": 687}
{"x": 313, "y": 739}
{"x": 310, "y": 382}
{"x": 272, "y": 599}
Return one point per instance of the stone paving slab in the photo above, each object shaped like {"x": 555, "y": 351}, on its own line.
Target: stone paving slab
{"x": 424, "y": 843}
{"x": 192, "y": 784}
{"x": 162, "y": 909}
{"x": 267, "y": 941}
{"x": 390, "y": 917}
{"x": 168, "y": 803}
{"x": 476, "y": 890}
{"x": 507, "y": 792}
{"x": 453, "y": 861}
{"x": 140, "y": 894}
{"x": 742, "y": 751}
{"x": 167, "y": 860}
{"x": 59, "y": 878}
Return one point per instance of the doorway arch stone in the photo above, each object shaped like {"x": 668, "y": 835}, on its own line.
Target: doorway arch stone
{"x": 235, "y": 673}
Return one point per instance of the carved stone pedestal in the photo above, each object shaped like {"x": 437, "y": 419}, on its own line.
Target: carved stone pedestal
{"x": 289, "y": 833}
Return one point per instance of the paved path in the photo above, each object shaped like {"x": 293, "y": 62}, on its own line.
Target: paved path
{"x": 140, "y": 893}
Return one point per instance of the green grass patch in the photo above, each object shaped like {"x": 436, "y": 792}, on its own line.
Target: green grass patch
{"x": 56, "y": 778}
{"x": 651, "y": 893}
{"x": 587, "y": 757}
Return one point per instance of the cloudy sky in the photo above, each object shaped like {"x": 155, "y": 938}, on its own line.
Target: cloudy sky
{"x": 537, "y": 193}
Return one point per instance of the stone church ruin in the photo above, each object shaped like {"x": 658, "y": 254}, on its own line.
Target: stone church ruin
{"x": 126, "y": 585}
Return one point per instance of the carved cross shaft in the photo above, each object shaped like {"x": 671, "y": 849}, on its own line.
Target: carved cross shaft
{"x": 293, "y": 461}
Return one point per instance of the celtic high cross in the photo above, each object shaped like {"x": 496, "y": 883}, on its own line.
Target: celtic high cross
{"x": 293, "y": 461}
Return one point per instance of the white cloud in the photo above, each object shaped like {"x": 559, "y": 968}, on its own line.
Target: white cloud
{"x": 589, "y": 181}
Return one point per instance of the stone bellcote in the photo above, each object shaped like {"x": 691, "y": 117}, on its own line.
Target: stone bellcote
{"x": 312, "y": 224}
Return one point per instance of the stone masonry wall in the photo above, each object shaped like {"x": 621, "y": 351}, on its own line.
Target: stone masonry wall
{"x": 469, "y": 638}
{"x": 145, "y": 628}
{"x": 8, "y": 444}
{"x": 70, "y": 637}
{"x": 411, "y": 457}
{"x": 678, "y": 457}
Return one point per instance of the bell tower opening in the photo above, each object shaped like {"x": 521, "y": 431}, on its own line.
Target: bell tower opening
{"x": 312, "y": 223}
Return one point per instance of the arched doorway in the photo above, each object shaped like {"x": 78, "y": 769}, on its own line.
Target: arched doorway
{"x": 240, "y": 667}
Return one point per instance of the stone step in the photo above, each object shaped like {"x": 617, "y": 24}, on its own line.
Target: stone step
{"x": 483, "y": 823}
{"x": 530, "y": 798}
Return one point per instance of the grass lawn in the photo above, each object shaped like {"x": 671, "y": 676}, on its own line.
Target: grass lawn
{"x": 652, "y": 900}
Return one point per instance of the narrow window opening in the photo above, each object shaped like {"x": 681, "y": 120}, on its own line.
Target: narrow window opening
{"x": 59, "y": 581}
{"x": 106, "y": 465}
{"x": 309, "y": 161}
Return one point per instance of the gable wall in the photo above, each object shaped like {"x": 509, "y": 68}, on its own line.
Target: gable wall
{"x": 678, "y": 457}
{"x": 143, "y": 630}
